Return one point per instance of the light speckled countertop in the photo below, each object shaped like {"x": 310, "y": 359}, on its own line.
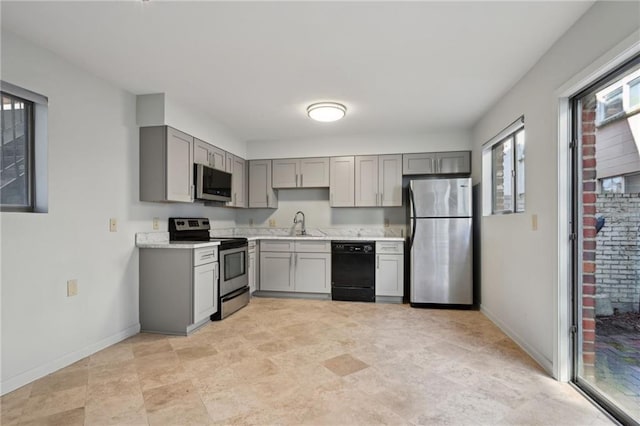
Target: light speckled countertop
{"x": 161, "y": 239}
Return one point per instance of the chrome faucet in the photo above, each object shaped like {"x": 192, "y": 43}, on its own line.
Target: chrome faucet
{"x": 295, "y": 221}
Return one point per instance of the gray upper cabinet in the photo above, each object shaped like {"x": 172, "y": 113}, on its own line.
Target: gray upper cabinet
{"x": 366, "y": 181}
{"x": 166, "y": 164}
{"x": 390, "y": 180}
{"x": 378, "y": 181}
{"x": 209, "y": 155}
{"x": 314, "y": 172}
{"x": 436, "y": 163}
{"x": 239, "y": 189}
{"x": 261, "y": 193}
{"x": 342, "y": 185}
{"x": 301, "y": 173}
{"x": 285, "y": 173}
{"x": 453, "y": 162}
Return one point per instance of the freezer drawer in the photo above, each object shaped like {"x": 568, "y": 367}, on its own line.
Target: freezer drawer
{"x": 441, "y": 261}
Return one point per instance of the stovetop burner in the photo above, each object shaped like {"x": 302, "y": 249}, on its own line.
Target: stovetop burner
{"x": 186, "y": 229}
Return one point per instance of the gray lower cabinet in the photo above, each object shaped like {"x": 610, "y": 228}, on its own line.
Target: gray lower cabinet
{"x": 295, "y": 266}
{"x": 178, "y": 289}
{"x": 166, "y": 164}
{"x": 390, "y": 269}
{"x": 252, "y": 266}
{"x": 437, "y": 163}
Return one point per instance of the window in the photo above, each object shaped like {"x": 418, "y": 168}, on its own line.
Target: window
{"x": 610, "y": 106}
{"x": 634, "y": 94}
{"x": 618, "y": 100}
{"x": 612, "y": 185}
{"x": 503, "y": 162}
{"x": 23, "y": 150}
{"x": 16, "y": 153}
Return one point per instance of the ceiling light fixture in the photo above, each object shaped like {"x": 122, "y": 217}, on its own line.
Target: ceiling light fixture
{"x": 326, "y": 111}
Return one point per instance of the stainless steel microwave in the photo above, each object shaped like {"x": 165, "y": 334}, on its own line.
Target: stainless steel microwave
{"x": 212, "y": 184}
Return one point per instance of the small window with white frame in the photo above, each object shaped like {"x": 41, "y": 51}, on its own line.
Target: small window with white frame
{"x": 503, "y": 171}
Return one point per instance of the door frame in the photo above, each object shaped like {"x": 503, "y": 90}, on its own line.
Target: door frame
{"x": 563, "y": 304}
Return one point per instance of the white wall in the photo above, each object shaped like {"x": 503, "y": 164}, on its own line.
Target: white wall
{"x": 519, "y": 265}
{"x": 315, "y": 205}
{"x": 93, "y": 176}
{"x": 445, "y": 140}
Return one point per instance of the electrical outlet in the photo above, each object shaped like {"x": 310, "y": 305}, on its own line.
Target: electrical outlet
{"x": 156, "y": 223}
{"x": 272, "y": 223}
{"x": 534, "y": 222}
{"x": 386, "y": 222}
{"x": 113, "y": 225}
{"x": 72, "y": 288}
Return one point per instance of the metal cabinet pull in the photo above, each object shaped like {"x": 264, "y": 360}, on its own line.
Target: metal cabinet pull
{"x": 267, "y": 200}
{"x": 378, "y": 262}
{"x": 296, "y": 179}
{"x": 301, "y": 180}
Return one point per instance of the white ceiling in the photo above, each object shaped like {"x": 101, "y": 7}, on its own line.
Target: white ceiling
{"x": 254, "y": 66}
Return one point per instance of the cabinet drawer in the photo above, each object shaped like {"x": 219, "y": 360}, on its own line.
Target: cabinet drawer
{"x": 205, "y": 255}
{"x": 389, "y": 247}
{"x": 313, "y": 246}
{"x": 276, "y": 245}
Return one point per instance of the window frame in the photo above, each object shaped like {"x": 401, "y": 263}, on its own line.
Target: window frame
{"x": 488, "y": 170}
{"x": 37, "y": 145}
{"x": 29, "y": 154}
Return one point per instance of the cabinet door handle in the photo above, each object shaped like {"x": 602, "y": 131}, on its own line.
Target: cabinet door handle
{"x": 331, "y": 198}
{"x": 301, "y": 180}
{"x": 296, "y": 262}
{"x": 217, "y": 277}
{"x": 378, "y": 262}
{"x": 296, "y": 179}
{"x": 381, "y": 199}
{"x": 267, "y": 200}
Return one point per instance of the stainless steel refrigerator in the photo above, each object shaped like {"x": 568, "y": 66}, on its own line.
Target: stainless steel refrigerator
{"x": 441, "y": 242}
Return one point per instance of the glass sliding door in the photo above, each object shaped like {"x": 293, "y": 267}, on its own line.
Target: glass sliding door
{"x": 606, "y": 226}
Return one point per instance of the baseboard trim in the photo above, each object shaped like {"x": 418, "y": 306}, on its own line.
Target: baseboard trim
{"x": 546, "y": 364}
{"x": 29, "y": 376}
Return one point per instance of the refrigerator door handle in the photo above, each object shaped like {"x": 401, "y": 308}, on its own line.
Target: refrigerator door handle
{"x": 413, "y": 218}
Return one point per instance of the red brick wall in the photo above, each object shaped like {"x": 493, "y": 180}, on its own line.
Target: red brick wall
{"x": 588, "y": 159}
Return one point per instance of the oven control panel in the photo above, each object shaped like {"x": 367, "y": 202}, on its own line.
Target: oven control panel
{"x": 186, "y": 224}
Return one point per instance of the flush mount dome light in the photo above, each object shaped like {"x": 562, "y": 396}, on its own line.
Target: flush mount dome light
{"x": 326, "y": 111}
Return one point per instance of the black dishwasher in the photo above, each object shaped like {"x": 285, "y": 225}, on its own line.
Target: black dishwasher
{"x": 353, "y": 271}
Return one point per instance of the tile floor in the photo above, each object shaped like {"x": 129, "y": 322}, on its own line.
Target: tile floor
{"x": 284, "y": 361}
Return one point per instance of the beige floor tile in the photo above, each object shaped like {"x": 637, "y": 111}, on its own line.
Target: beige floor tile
{"x": 113, "y": 354}
{"x": 281, "y": 361}
{"x": 73, "y": 417}
{"x": 12, "y": 405}
{"x": 345, "y": 364}
{"x": 60, "y": 380}
{"x": 54, "y": 402}
{"x": 178, "y": 403}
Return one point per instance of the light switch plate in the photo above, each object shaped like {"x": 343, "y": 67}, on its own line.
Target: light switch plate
{"x": 113, "y": 225}
{"x": 272, "y": 223}
{"x": 386, "y": 222}
{"x": 72, "y": 288}
{"x": 156, "y": 223}
{"x": 534, "y": 222}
